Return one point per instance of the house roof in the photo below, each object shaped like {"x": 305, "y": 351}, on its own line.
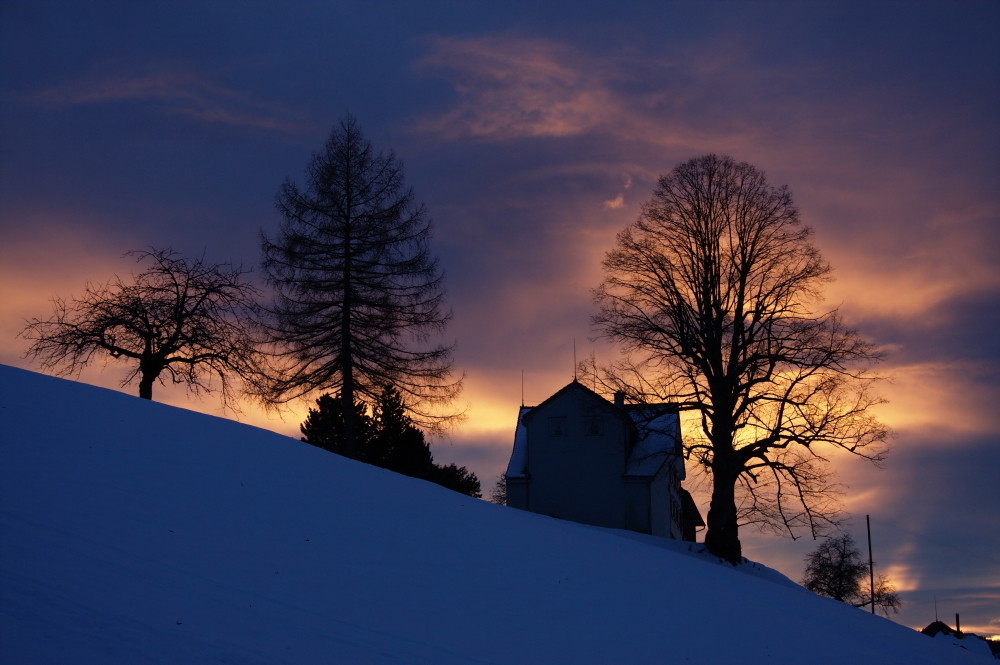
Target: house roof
{"x": 657, "y": 427}
{"x": 658, "y": 437}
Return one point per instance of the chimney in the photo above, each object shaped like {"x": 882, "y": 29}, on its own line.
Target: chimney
{"x": 619, "y": 398}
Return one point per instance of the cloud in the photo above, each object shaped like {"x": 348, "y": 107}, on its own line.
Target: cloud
{"x": 907, "y": 240}
{"x": 510, "y": 87}
{"x": 174, "y": 91}
{"x": 515, "y": 87}
{"x": 942, "y": 396}
{"x": 617, "y": 202}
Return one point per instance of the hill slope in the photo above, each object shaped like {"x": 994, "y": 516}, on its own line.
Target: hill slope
{"x": 137, "y": 532}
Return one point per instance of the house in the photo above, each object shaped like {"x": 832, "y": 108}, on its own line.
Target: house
{"x": 969, "y": 641}
{"x": 580, "y": 457}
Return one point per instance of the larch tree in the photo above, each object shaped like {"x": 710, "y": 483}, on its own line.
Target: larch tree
{"x": 358, "y": 296}
{"x": 713, "y": 294}
{"x": 184, "y": 319}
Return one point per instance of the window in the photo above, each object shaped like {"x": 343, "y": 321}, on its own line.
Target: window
{"x": 593, "y": 425}
{"x": 557, "y": 426}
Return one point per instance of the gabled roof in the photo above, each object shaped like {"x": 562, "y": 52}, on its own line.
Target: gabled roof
{"x": 576, "y": 386}
{"x": 657, "y": 434}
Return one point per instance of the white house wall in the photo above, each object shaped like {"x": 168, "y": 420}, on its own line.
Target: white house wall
{"x": 559, "y": 464}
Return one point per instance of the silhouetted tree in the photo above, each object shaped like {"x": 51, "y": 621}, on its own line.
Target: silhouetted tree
{"x": 712, "y": 293}
{"x": 499, "y": 494}
{"x": 388, "y": 438}
{"x": 324, "y": 426}
{"x": 398, "y": 444}
{"x": 358, "y": 294}
{"x": 835, "y": 569}
{"x": 185, "y": 319}
{"x": 457, "y": 478}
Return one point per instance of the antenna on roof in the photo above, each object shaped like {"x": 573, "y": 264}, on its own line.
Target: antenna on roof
{"x": 522, "y": 387}
{"x": 574, "y": 359}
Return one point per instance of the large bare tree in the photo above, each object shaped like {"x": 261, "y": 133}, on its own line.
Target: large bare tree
{"x": 185, "y": 319}
{"x": 713, "y": 294}
{"x": 358, "y": 295}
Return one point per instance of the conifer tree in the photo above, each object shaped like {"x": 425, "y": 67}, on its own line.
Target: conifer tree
{"x": 358, "y": 295}
{"x": 324, "y": 426}
{"x": 387, "y": 438}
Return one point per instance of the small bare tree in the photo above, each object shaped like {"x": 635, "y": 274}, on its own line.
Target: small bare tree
{"x": 713, "y": 292}
{"x": 499, "y": 493}
{"x": 184, "y": 319}
{"x": 835, "y": 569}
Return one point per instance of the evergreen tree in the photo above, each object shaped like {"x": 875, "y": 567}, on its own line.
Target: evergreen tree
{"x": 398, "y": 445}
{"x": 324, "y": 426}
{"x": 457, "y": 478}
{"x": 387, "y": 438}
{"x": 358, "y": 294}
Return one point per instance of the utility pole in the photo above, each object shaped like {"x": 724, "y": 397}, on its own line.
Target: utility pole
{"x": 871, "y": 564}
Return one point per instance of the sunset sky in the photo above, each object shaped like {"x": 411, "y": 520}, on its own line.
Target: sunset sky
{"x": 534, "y": 132}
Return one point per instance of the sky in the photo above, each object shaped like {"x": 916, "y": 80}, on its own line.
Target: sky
{"x": 534, "y": 132}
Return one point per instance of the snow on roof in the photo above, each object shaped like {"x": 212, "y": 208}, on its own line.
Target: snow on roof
{"x": 518, "y": 465}
{"x": 659, "y": 438}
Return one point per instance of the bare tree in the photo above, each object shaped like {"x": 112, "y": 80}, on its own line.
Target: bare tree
{"x": 185, "y": 319}
{"x": 712, "y": 294}
{"x": 835, "y": 569}
{"x": 358, "y": 295}
{"x": 499, "y": 493}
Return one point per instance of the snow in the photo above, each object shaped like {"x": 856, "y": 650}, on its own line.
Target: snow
{"x": 134, "y": 532}
{"x": 972, "y": 643}
{"x": 659, "y": 436}
{"x": 519, "y": 456}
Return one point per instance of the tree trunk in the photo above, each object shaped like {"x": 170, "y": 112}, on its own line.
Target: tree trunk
{"x": 146, "y": 385}
{"x": 723, "y": 537}
{"x": 351, "y": 448}
{"x": 350, "y": 445}
{"x": 149, "y": 369}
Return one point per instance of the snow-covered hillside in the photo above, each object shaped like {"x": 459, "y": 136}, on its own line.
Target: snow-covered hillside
{"x": 134, "y": 532}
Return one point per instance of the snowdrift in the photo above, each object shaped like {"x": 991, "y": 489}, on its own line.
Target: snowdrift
{"x": 134, "y": 532}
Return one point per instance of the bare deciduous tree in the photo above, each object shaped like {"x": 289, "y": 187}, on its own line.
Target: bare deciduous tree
{"x": 185, "y": 319}
{"x": 358, "y": 295}
{"x": 713, "y": 293}
{"x": 499, "y": 493}
{"x": 835, "y": 569}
